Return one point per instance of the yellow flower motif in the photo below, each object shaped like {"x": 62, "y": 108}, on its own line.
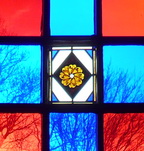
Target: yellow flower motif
{"x": 71, "y": 76}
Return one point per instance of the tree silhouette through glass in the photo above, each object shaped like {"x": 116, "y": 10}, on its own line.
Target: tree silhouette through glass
{"x": 20, "y": 132}
{"x": 73, "y": 132}
{"x": 124, "y": 132}
{"x": 20, "y": 74}
{"x": 123, "y": 74}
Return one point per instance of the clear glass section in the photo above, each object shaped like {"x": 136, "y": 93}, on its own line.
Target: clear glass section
{"x": 20, "y": 17}
{"x": 73, "y": 17}
{"x": 123, "y": 17}
{"x": 20, "y": 67}
{"x": 123, "y": 74}
{"x": 73, "y": 131}
{"x": 124, "y": 132}
{"x": 72, "y": 71}
{"x": 20, "y": 132}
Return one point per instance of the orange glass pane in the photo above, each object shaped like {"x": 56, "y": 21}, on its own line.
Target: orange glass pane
{"x": 20, "y": 17}
{"x": 124, "y": 132}
{"x": 123, "y": 17}
{"x": 20, "y": 132}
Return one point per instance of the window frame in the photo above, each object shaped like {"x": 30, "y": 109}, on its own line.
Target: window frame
{"x": 47, "y": 41}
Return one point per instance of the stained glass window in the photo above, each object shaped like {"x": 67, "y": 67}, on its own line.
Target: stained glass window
{"x": 75, "y": 17}
{"x": 20, "y": 18}
{"x": 20, "y": 67}
{"x": 72, "y": 71}
{"x": 123, "y": 131}
{"x": 123, "y": 74}
{"x": 66, "y": 83}
{"x": 20, "y": 131}
{"x": 73, "y": 131}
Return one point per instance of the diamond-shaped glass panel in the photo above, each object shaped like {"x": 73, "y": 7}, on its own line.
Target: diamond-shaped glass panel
{"x": 72, "y": 74}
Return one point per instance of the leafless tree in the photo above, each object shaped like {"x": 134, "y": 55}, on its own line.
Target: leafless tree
{"x": 122, "y": 86}
{"x": 20, "y": 132}
{"x": 19, "y": 83}
{"x": 73, "y": 132}
{"x": 124, "y": 132}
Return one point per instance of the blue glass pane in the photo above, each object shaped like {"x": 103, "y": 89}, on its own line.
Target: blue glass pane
{"x": 90, "y": 53}
{"x": 73, "y": 131}
{"x": 54, "y": 98}
{"x": 20, "y": 73}
{"x": 73, "y": 17}
{"x": 123, "y": 74}
{"x": 54, "y": 52}
{"x": 91, "y": 98}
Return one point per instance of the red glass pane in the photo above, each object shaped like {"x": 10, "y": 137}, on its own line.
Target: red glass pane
{"x": 20, "y": 132}
{"x": 123, "y": 17}
{"x": 124, "y": 132}
{"x": 20, "y": 17}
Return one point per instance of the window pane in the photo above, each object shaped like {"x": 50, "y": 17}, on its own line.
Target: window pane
{"x": 123, "y": 74}
{"x": 73, "y": 131}
{"x": 73, "y": 17}
{"x": 20, "y": 132}
{"x": 123, "y": 132}
{"x": 20, "y": 74}
{"x": 123, "y": 17}
{"x": 20, "y": 17}
{"x": 72, "y": 74}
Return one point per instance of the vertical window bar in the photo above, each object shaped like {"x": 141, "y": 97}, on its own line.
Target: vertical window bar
{"x": 45, "y": 81}
{"x": 100, "y": 94}
{"x": 100, "y": 73}
{"x": 45, "y": 34}
{"x": 96, "y": 30}
{"x": 45, "y": 131}
{"x": 98, "y": 17}
{"x": 46, "y": 18}
{"x": 100, "y": 132}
